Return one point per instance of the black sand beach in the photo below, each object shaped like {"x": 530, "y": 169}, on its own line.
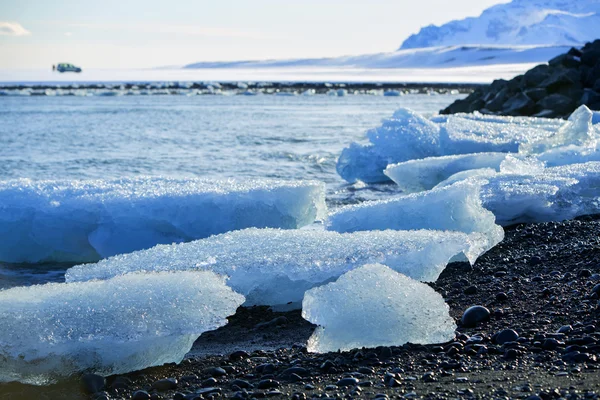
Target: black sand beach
{"x": 542, "y": 341}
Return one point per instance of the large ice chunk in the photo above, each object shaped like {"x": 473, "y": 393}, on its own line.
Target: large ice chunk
{"x": 453, "y": 208}
{"x": 409, "y": 136}
{"x": 275, "y": 267}
{"x": 578, "y": 131}
{"x": 419, "y": 175}
{"x": 549, "y": 194}
{"x": 108, "y": 327}
{"x": 405, "y": 136}
{"x": 82, "y": 221}
{"x": 375, "y": 306}
{"x": 462, "y": 134}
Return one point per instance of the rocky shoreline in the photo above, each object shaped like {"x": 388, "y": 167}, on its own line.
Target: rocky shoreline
{"x": 541, "y": 286}
{"x": 552, "y": 90}
{"x": 242, "y": 88}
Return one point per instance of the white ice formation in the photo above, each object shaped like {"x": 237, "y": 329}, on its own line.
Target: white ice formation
{"x": 454, "y": 208}
{"x": 540, "y": 195}
{"x": 83, "y": 221}
{"x": 276, "y": 267}
{"x": 409, "y": 136}
{"x": 375, "y": 306}
{"x": 108, "y": 327}
{"x": 424, "y": 174}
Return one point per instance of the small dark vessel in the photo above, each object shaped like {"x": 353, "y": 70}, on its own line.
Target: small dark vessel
{"x": 64, "y": 67}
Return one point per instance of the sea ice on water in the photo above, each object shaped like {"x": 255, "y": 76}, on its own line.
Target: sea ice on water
{"x": 405, "y": 136}
{"x": 375, "y": 306}
{"x": 476, "y": 133}
{"x": 578, "y": 131}
{"x": 424, "y": 174}
{"x": 547, "y": 194}
{"x": 275, "y": 267}
{"x": 108, "y": 327}
{"x": 409, "y": 136}
{"x": 83, "y": 221}
{"x": 453, "y": 208}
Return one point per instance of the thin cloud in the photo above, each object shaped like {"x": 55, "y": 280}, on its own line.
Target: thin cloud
{"x": 187, "y": 30}
{"x": 13, "y": 29}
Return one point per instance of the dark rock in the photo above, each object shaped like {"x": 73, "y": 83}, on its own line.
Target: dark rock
{"x": 560, "y": 80}
{"x": 519, "y": 104}
{"x": 216, "y": 372}
{"x": 537, "y": 75}
{"x": 93, "y": 383}
{"x": 140, "y": 395}
{"x": 238, "y": 355}
{"x": 242, "y": 384}
{"x": 558, "y": 103}
{"x": 347, "y": 382}
{"x": 550, "y": 344}
{"x": 279, "y": 321}
{"x": 501, "y": 297}
{"x": 506, "y": 335}
{"x": 474, "y": 315}
{"x": 165, "y": 384}
{"x": 590, "y": 98}
{"x": 267, "y": 384}
{"x": 565, "y": 60}
{"x": 470, "y": 290}
{"x": 591, "y": 57}
{"x": 209, "y": 382}
{"x": 497, "y": 101}
{"x": 536, "y": 94}
{"x": 327, "y": 365}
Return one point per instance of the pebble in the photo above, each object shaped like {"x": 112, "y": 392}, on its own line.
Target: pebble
{"x": 506, "y": 335}
{"x": 267, "y": 384}
{"x": 165, "y": 384}
{"x": 93, "y": 383}
{"x": 347, "y": 382}
{"x": 216, "y": 371}
{"x": 474, "y": 315}
{"x": 501, "y": 297}
{"x": 140, "y": 395}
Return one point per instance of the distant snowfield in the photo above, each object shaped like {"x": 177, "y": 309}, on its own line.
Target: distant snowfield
{"x": 432, "y": 57}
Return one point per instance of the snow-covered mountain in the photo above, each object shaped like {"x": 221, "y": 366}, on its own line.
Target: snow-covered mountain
{"x": 520, "y": 22}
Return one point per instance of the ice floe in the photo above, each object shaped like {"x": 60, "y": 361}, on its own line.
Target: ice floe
{"x": 424, "y": 174}
{"x": 82, "y": 221}
{"x": 375, "y": 306}
{"x": 108, "y": 327}
{"x": 409, "y": 136}
{"x": 547, "y": 194}
{"x": 276, "y": 267}
{"x": 453, "y": 208}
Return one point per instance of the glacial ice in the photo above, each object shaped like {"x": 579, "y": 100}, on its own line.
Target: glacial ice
{"x": 405, "y": 136}
{"x": 549, "y": 194}
{"x": 108, "y": 327}
{"x": 578, "y": 131}
{"x": 276, "y": 267}
{"x": 409, "y": 136}
{"x": 375, "y": 306}
{"x": 82, "y": 221}
{"x": 424, "y": 174}
{"x": 453, "y": 208}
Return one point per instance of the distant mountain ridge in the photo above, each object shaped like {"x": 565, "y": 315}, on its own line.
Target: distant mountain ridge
{"x": 520, "y": 22}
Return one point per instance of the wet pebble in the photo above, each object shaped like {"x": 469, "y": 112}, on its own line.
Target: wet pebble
{"x": 474, "y": 315}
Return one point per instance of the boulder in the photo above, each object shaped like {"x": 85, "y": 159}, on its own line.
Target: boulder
{"x": 536, "y": 75}
{"x": 559, "y": 103}
{"x": 552, "y": 90}
{"x": 519, "y": 104}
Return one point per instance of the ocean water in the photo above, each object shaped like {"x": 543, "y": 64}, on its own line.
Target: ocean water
{"x": 177, "y": 136}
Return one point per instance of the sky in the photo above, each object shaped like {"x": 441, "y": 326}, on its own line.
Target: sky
{"x": 155, "y": 33}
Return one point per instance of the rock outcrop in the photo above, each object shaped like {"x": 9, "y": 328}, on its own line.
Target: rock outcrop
{"x": 552, "y": 90}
